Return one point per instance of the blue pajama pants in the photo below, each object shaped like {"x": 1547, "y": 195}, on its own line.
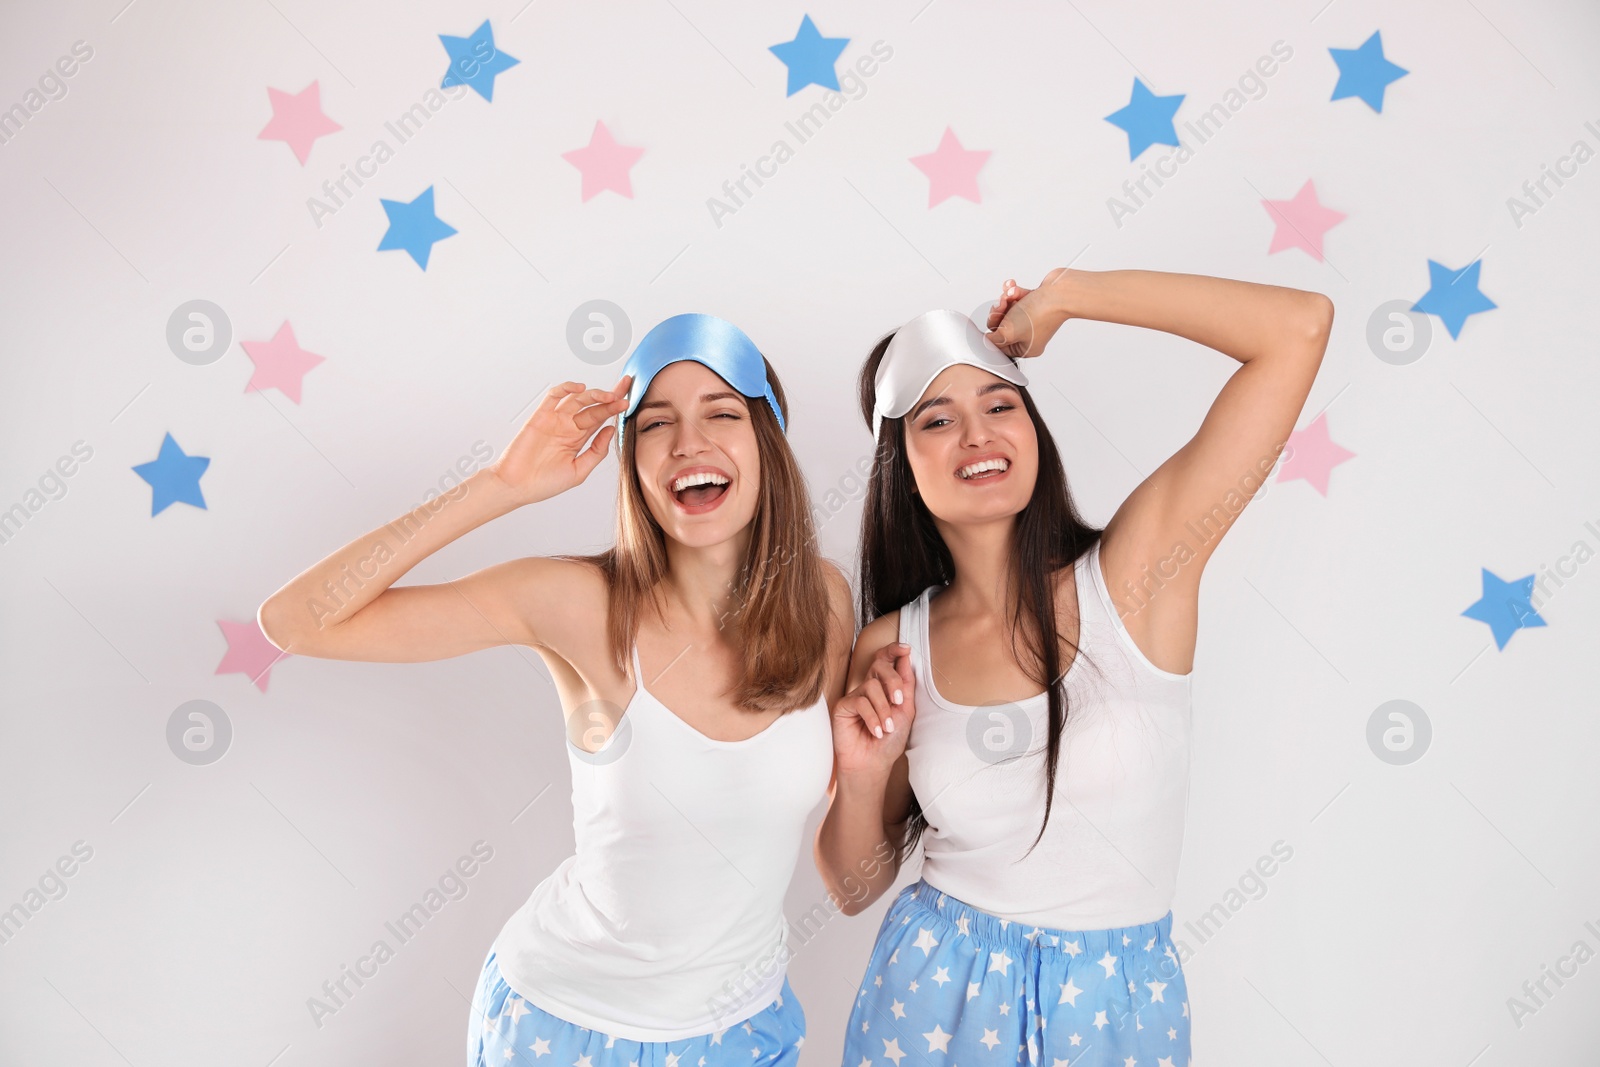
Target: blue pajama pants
{"x": 948, "y": 984}
{"x": 507, "y": 1031}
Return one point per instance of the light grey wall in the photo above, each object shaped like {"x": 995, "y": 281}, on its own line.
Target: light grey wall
{"x": 218, "y": 898}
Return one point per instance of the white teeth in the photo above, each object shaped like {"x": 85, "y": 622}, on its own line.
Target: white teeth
{"x": 702, "y": 478}
{"x": 987, "y": 465}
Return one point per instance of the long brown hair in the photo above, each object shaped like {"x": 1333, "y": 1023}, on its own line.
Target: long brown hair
{"x": 780, "y": 617}
{"x": 902, "y": 554}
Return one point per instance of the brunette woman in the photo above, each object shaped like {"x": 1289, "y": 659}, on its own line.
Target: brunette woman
{"x": 1037, "y": 671}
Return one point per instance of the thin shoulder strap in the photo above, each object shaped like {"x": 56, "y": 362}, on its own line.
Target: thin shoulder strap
{"x": 911, "y": 629}
{"x": 1094, "y": 595}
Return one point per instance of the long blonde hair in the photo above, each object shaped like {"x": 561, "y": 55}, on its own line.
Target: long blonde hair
{"x": 781, "y": 613}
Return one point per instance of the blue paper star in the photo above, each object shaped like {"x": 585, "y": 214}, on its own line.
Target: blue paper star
{"x": 1364, "y": 72}
{"x": 1453, "y": 295}
{"x": 810, "y": 57}
{"x": 414, "y": 227}
{"x": 475, "y": 61}
{"x": 173, "y": 476}
{"x": 1506, "y": 606}
{"x": 1147, "y": 119}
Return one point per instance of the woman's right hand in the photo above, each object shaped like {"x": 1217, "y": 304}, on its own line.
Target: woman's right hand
{"x": 1022, "y": 321}
{"x": 548, "y": 456}
{"x": 872, "y": 722}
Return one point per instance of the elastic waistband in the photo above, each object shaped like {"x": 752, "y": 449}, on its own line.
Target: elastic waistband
{"x": 996, "y": 932}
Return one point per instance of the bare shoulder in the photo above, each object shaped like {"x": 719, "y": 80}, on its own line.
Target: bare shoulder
{"x": 884, "y": 630}
{"x": 881, "y": 631}
{"x": 1156, "y": 596}
{"x": 561, "y": 598}
{"x": 841, "y": 629}
{"x": 554, "y": 579}
{"x": 841, "y": 600}
{"x": 576, "y": 576}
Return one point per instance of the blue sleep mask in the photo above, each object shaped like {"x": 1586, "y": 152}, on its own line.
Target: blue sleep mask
{"x": 705, "y": 339}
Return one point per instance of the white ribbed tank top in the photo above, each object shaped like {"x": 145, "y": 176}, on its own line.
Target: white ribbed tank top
{"x": 1109, "y": 856}
{"x": 667, "y": 922}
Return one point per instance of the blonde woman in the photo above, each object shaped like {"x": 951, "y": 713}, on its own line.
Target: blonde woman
{"x": 695, "y": 662}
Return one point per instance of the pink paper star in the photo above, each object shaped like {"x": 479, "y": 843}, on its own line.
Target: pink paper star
{"x": 1301, "y": 222}
{"x": 951, "y": 170}
{"x": 249, "y": 652}
{"x": 604, "y": 163}
{"x": 280, "y": 362}
{"x": 297, "y": 120}
{"x": 1312, "y": 455}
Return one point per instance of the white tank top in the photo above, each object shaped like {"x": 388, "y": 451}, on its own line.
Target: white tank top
{"x": 668, "y": 920}
{"x": 1109, "y": 856}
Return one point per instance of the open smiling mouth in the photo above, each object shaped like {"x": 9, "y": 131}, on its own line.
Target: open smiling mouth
{"x": 983, "y": 470}
{"x": 700, "y": 490}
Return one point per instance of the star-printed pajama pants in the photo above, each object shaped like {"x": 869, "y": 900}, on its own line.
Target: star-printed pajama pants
{"x": 951, "y": 986}
{"x": 507, "y": 1031}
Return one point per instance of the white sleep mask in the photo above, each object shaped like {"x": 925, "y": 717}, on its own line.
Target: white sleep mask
{"x": 924, "y": 347}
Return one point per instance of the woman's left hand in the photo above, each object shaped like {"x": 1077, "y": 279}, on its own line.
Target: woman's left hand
{"x": 1022, "y": 321}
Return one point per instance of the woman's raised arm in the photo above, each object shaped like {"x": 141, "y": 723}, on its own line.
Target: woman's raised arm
{"x": 1279, "y": 334}
{"x": 345, "y": 606}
